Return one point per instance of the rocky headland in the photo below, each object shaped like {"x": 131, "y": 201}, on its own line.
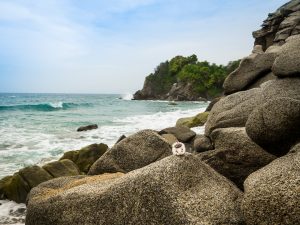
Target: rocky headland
{"x": 245, "y": 168}
{"x": 185, "y": 79}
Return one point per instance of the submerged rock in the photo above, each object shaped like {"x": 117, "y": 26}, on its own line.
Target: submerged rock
{"x": 133, "y": 152}
{"x": 85, "y": 157}
{"x": 272, "y": 193}
{"x": 88, "y": 127}
{"x": 176, "y": 190}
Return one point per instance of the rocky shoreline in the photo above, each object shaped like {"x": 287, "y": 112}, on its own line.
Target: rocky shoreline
{"x": 245, "y": 169}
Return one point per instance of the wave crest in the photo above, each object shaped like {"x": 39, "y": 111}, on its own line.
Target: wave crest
{"x": 43, "y": 107}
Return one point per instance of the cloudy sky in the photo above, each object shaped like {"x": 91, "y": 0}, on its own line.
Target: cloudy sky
{"x": 109, "y": 46}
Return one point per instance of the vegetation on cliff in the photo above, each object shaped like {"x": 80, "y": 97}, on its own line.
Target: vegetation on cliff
{"x": 205, "y": 79}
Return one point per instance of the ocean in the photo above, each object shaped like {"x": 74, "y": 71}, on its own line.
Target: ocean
{"x": 38, "y": 128}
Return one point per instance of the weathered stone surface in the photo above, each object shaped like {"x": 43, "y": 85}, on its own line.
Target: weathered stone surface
{"x": 176, "y": 190}
{"x": 170, "y": 138}
{"x": 233, "y": 110}
{"x": 202, "y": 143}
{"x": 261, "y": 80}
{"x": 235, "y": 156}
{"x": 121, "y": 138}
{"x": 251, "y": 68}
{"x": 275, "y": 125}
{"x": 62, "y": 168}
{"x": 135, "y": 151}
{"x": 288, "y": 61}
{"x": 295, "y": 148}
{"x": 88, "y": 127}
{"x": 182, "y": 133}
{"x": 272, "y": 193}
{"x": 194, "y": 121}
{"x": 85, "y": 157}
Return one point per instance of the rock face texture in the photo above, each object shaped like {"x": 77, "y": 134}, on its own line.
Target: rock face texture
{"x": 176, "y": 190}
{"x": 279, "y": 25}
{"x": 131, "y": 153}
{"x": 194, "y": 121}
{"x": 235, "y": 155}
{"x": 272, "y": 193}
{"x": 182, "y": 133}
{"x": 275, "y": 125}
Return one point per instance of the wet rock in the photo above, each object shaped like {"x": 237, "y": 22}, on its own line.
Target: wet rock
{"x": 88, "y": 127}
{"x": 85, "y": 157}
{"x": 194, "y": 121}
{"x": 62, "y": 168}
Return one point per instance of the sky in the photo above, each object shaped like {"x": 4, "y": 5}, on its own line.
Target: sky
{"x": 109, "y": 46}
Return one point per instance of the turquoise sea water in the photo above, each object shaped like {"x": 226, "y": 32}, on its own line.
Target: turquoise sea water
{"x": 37, "y": 128}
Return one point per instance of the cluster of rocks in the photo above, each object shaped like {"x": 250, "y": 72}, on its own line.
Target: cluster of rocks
{"x": 17, "y": 186}
{"x": 245, "y": 169}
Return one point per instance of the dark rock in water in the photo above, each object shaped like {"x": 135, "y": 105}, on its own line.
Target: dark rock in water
{"x": 85, "y": 157}
{"x": 121, "y": 138}
{"x": 175, "y": 190}
{"x": 235, "y": 156}
{"x": 135, "y": 151}
{"x": 275, "y": 125}
{"x": 172, "y": 103}
{"x": 62, "y": 168}
{"x": 251, "y": 68}
{"x": 202, "y": 144}
{"x": 182, "y": 133}
{"x": 288, "y": 62}
{"x": 272, "y": 193}
{"x": 86, "y": 128}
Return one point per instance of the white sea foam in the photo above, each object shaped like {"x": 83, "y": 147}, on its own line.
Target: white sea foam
{"x": 12, "y": 213}
{"x": 127, "y": 96}
{"x": 39, "y": 146}
{"x": 57, "y": 105}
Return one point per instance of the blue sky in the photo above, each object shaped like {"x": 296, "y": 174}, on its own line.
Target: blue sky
{"x": 109, "y": 46}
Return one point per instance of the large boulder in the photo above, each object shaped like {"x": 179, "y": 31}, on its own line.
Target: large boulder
{"x": 272, "y": 193}
{"x": 176, "y": 190}
{"x": 234, "y": 110}
{"x": 288, "y": 62}
{"x": 133, "y": 152}
{"x": 85, "y": 157}
{"x": 235, "y": 155}
{"x": 62, "y": 168}
{"x": 182, "y": 133}
{"x": 194, "y": 121}
{"x": 18, "y": 186}
{"x": 251, "y": 69}
{"x": 275, "y": 125}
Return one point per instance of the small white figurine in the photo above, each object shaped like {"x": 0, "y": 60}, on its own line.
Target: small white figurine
{"x": 178, "y": 148}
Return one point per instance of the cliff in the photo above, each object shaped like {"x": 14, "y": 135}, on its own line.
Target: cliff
{"x": 185, "y": 79}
